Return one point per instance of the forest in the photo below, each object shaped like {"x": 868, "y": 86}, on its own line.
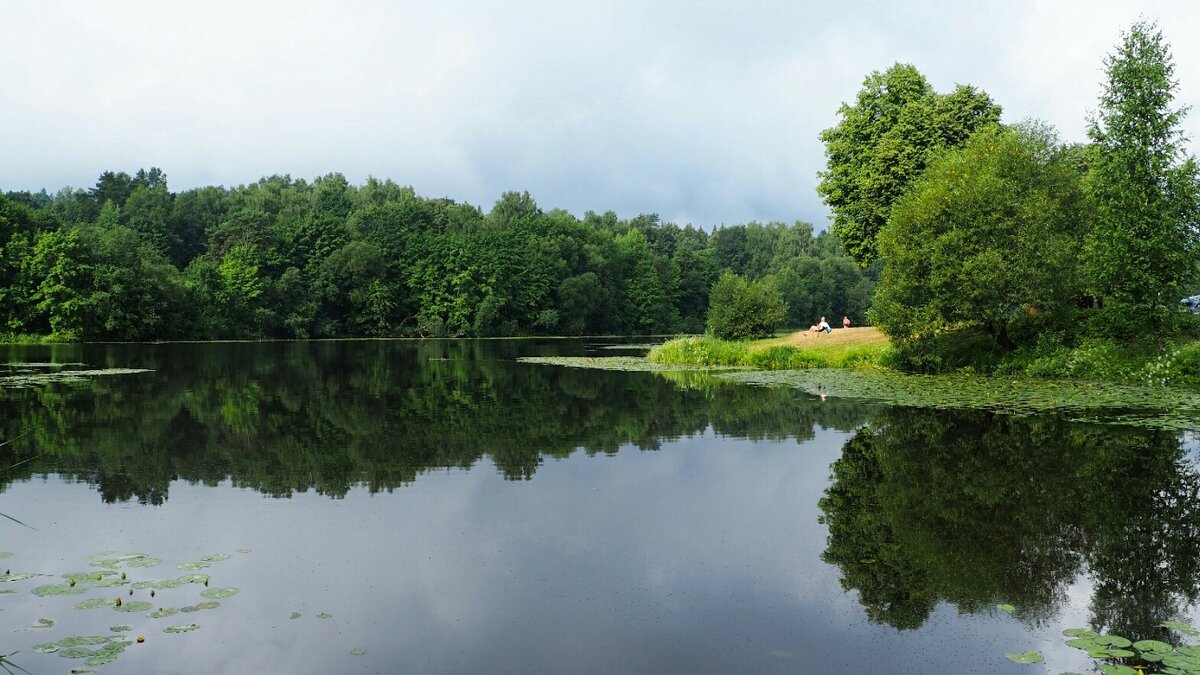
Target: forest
{"x": 130, "y": 260}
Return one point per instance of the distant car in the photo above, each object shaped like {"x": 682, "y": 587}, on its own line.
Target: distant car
{"x": 1192, "y": 303}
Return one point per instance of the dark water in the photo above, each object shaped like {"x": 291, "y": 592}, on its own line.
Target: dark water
{"x": 452, "y": 510}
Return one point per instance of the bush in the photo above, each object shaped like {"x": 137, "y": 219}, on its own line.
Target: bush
{"x": 743, "y": 310}
{"x": 698, "y": 351}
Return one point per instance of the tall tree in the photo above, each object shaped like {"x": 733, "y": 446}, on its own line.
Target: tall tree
{"x": 883, "y": 143}
{"x": 1145, "y": 188}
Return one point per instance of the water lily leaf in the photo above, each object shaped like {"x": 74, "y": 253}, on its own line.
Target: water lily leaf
{"x": 358, "y": 651}
{"x": 1151, "y": 646}
{"x": 163, "y": 612}
{"x": 135, "y": 606}
{"x": 210, "y": 604}
{"x": 78, "y": 640}
{"x": 215, "y": 557}
{"x": 7, "y": 591}
{"x": 1181, "y": 627}
{"x": 243, "y": 550}
{"x": 101, "y": 659}
{"x": 43, "y": 623}
{"x": 20, "y": 576}
{"x": 1004, "y": 607}
{"x": 1113, "y": 640}
{"x": 58, "y": 589}
{"x": 324, "y": 615}
{"x": 1121, "y": 653}
{"x": 108, "y": 583}
{"x": 75, "y": 652}
{"x": 93, "y": 603}
{"x": 218, "y": 592}
{"x": 5, "y": 554}
{"x": 46, "y": 648}
{"x": 1188, "y": 650}
{"x": 1083, "y": 643}
{"x": 1109, "y": 669}
{"x": 1026, "y": 657}
{"x": 193, "y": 579}
{"x": 120, "y": 628}
{"x": 1080, "y": 633}
{"x": 185, "y": 628}
{"x": 295, "y": 615}
{"x": 144, "y": 561}
{"x": 193, "y": 566}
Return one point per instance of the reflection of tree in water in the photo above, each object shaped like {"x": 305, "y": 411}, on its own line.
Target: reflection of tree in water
{"x": 289, "y": 417}
{"x": 977, "y": 509}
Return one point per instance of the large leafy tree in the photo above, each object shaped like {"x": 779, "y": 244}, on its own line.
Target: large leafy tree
{"x": 990, "y": 232}
{"x": 742, "y": 309}
{"x": 884, "y": 141}
{"x": 1145, "y": 188}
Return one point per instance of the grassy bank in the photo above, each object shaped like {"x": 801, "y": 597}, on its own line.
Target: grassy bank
{"x": 844, "y": 348}
{"x": 1169, "y": 363}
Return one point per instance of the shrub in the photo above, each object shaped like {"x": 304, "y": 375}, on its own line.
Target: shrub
{"x": 743, "y": 310}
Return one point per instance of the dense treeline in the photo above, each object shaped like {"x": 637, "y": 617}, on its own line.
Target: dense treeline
{"x": 287, "y": 258}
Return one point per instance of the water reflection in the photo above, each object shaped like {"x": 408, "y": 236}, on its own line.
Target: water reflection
{"x": 288, "y": 417}
{"x": 977, "y": 509}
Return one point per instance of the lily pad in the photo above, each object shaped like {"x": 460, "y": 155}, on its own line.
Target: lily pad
{"x": 1110, "y": 669}
{"x": 1004, "y": 607}
{"x": 78, "y": 640}
{"x": 295, "y": 615}
{"x": 44, "y": 623}
{"x": 1026, "y": 657}
{"x": 121, "y": 628}
{"x": 7, "y": 591}
{"x": 143, "y": 561}
{"x": 135, "y": 606}
{"x": 57, "y": 589}
{"x": 209, "y": 604}
{"x": 185, "y": 628}
{"x": 358, "y": 651}
{"x": 46, "y": 648}
{"x": 101, "y": 659}
{"x": 324, "y": 615}
{"x": 94, "y": 603}
{"x": 75, "y": 652}
{"x": 1181, "y": 627}
{"x": 20, "y": 576}
{"x": 5, "y": 554}
{"x": 1080, "y": 633}
{"x": 1151, "y": 646}
{"x": 218, "y": 592}
{"x": 193, "y": 566}
{"x": 215, "y": 557}
{"x": 163, "y": 612}
{"x": 1113, "y": 641}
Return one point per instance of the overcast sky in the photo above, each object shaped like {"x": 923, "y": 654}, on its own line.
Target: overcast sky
{"x": 701, "y": 112}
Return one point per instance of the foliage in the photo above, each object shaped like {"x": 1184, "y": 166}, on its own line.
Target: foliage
{"x": 741, "y": 309}
{"x": 1141, "y": 254}
{"x": 289, "y": 258}
{"x": 988, "y": 234}
{"x": 883, "y": 143}
{"x": 709, "y": 351}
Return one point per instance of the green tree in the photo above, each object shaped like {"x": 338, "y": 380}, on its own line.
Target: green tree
{"x": 1145, "y": 188}
{"x": 741, "y": 309}
{"x": 990, "y": 232}
{"x": 883, "y": 143}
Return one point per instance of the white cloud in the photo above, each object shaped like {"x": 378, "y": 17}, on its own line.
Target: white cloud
{"x": 702, "y": 112}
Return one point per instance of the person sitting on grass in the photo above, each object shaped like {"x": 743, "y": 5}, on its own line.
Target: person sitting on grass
{"x": 822, "y": 327}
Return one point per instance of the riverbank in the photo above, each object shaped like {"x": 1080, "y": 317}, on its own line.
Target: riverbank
{"x": 1172, "y": 362}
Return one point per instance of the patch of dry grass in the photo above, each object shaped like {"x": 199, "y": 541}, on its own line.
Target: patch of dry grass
{"x": 840, "y": 337}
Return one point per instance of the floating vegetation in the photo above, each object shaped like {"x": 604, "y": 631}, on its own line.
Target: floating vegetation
{"x": 216, "y": 557}
{"x": 44, "y": 623}
{"x": 1159, "y": 408}
{"x": 134, "y": 606}
{"x": 76, "y": 652}
{"x": 243, "y": 550}
{"x": 5, "y": 554}
{"x": 163, "y": 612}
{"x": 210, "y": 604}
{"x": 37, "y": 379}
{"x": 77, "y": 640}
{"x": 1026, "y": 657}
{"x": 218, "y": 592}
{"x": 193, "y": 566}
{"x": 20, "y": 576}
{"x": 7, "y": 591}
{"x": 358, "y": 651}
{"x": 324, "y": 615}
{"x": 121, "y": 628}
{"x": 185, "y": 628}
{"x": 635, "y": 364}
{"x": 57, "y": 589}
{"x": 172, "y": 583}
{"x": 93, "y": 603}
{"x": 46, "y": 648}
{"x": 1120, "y": 656}
{"x": 295, "y": 615}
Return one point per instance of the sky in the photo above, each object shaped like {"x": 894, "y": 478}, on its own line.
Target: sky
{"x": 701, "y": 112}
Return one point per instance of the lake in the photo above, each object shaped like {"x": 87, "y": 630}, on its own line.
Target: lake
{"x": 438, "y": 506}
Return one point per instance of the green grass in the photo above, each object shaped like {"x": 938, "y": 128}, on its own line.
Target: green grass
{"x": 774, "y": 354}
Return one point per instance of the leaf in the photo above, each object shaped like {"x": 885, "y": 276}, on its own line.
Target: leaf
{"x": 1025, "y": 657}
{"x": 1006, "y": 608}
{"x": 185, "y": 628}
{"x": 218, "y": 592}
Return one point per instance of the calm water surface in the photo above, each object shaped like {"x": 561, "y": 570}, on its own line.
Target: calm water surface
{"x": 440, "y": 507}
